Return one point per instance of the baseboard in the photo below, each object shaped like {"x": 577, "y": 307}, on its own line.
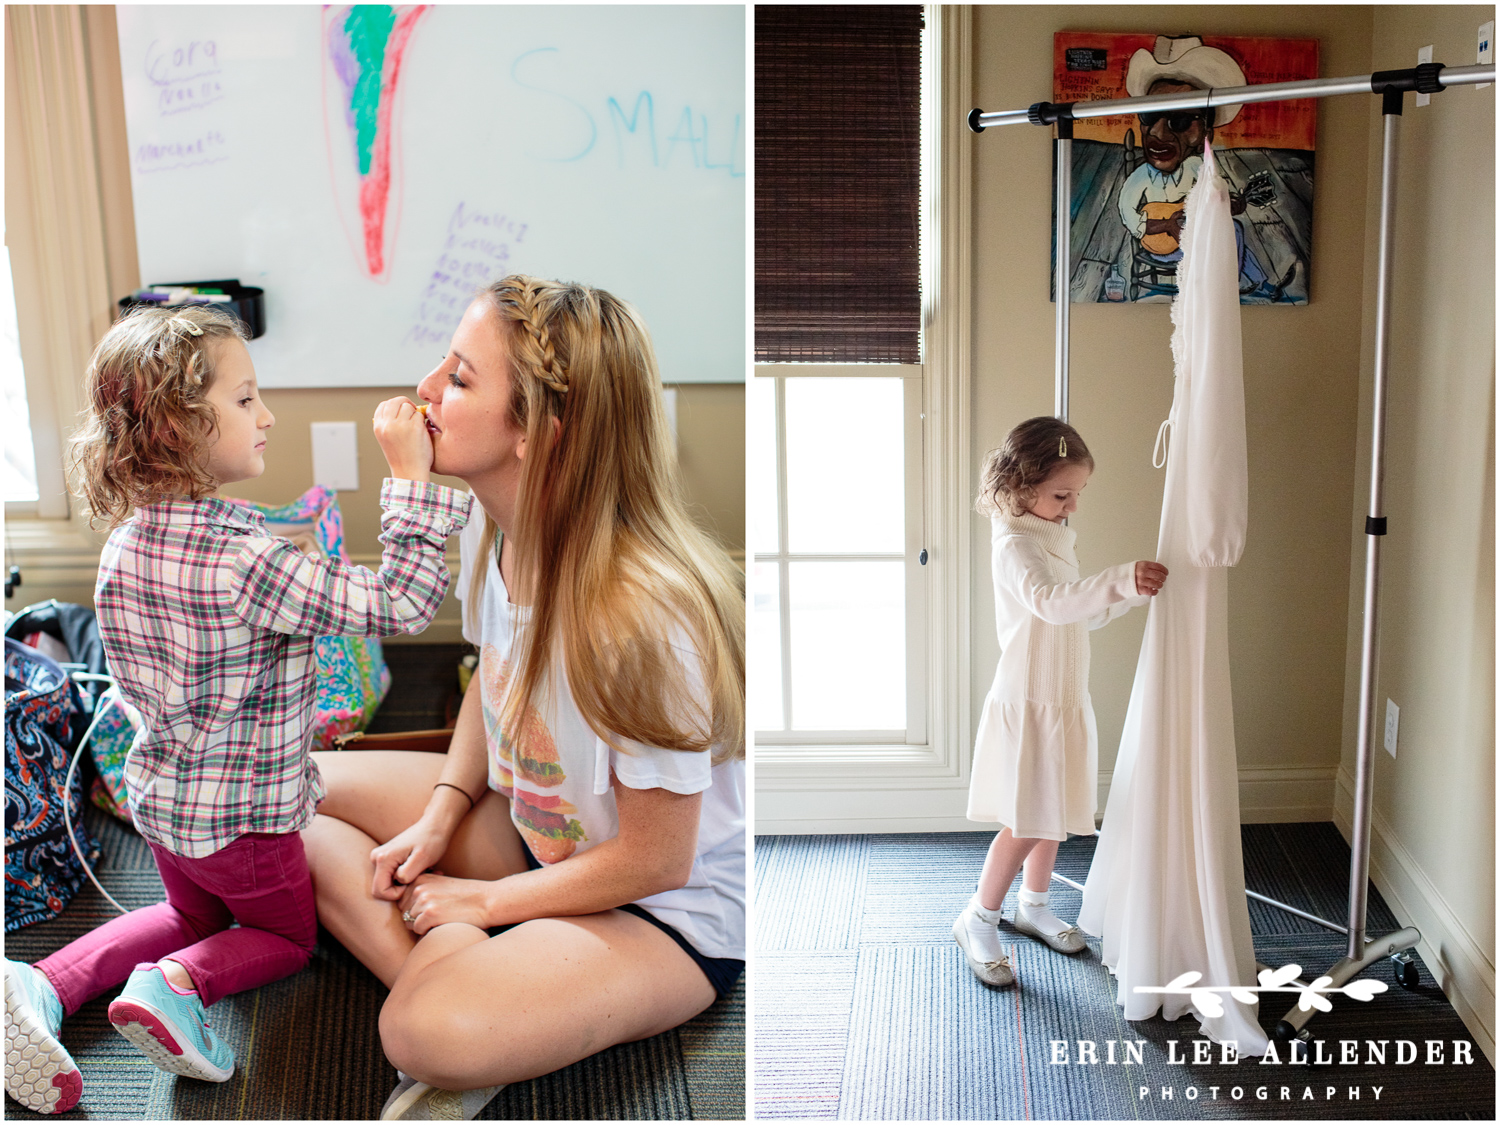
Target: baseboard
{"x": 1464, "y": 969}
{"x": 765, "y": 826}
{"x": 1281, "y": 795}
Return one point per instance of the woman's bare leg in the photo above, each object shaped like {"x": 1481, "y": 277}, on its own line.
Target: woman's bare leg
{"x": 372, "y": 796}
{"x": 469, "y": 1011}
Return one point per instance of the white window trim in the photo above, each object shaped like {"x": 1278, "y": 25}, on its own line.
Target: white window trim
{"x": 783, "y": 773}
{"x": 71, "y": 235}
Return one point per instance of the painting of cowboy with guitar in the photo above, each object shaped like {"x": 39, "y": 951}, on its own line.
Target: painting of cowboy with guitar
{"x": 1137, "y": 260}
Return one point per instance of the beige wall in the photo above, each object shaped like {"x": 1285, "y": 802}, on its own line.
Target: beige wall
{"x": 1434, "y": 822}
{"x": 1288, "y": 596}
{"x": 88, "y": 209}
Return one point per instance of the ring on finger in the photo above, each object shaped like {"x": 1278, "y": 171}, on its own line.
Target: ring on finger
{"x": 406, "y": 916}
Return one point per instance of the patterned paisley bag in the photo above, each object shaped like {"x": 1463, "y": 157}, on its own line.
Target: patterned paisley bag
{"x": 42, "y": 872}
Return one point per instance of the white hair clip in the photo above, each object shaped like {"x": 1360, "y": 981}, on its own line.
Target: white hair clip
{"x": 1062, "y": 445}
{"x": 183, "y": 324}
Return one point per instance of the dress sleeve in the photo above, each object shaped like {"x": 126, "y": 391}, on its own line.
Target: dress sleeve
{"x": 273, "y": 585}
{"x": 1020, "y": 566}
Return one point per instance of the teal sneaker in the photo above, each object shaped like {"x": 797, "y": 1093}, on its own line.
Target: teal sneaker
{"x": 39, "y": 1072}
{"x": 169, "y": 1027}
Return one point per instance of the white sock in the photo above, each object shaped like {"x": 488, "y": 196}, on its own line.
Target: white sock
{"x": 1034, "y": 903}
{"x": 984, "y": 937}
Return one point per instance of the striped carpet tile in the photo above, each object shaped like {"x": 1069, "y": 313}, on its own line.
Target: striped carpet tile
{"x": 827, "y": 873}
{"x": 802, "y": 1010}
{"x": 713, "y": 1059}
{"x": 922, "y": 1039}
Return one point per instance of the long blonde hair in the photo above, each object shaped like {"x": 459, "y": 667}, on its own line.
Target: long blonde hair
{"x": 149, "y": 424}
{"x": 604, "y": 547}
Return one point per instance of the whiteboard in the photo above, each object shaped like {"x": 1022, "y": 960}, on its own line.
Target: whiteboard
{"x": 371, "y": 168}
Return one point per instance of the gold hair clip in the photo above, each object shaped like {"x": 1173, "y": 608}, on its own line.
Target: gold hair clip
{"x": 1062, "y": 445}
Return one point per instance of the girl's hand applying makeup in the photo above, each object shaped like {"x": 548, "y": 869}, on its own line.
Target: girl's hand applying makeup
{"x": 401, "y": 430}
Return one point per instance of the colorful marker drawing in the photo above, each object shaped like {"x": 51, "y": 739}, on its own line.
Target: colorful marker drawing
{"x": 364, "y": 46}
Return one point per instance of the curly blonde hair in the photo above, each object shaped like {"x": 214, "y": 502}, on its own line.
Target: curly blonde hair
{"x": 1032, "y": 451}
{"x": 148, "y": 428}
{"x": 604, "y": 544}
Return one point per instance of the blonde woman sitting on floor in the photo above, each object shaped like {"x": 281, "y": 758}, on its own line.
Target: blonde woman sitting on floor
{"x": 570, "y": 875}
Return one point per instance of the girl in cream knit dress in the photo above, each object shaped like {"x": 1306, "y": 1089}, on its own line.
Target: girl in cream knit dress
{"x": 1036, "y": 754}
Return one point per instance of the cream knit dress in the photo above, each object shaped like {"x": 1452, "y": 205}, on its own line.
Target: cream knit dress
{"x": 1036, "y": 756}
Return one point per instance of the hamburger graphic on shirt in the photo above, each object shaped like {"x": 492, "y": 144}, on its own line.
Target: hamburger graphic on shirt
{"x": 530, "y": 763}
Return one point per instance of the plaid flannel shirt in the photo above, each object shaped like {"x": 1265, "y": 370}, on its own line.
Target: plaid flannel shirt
{"x": 208, "y": 623}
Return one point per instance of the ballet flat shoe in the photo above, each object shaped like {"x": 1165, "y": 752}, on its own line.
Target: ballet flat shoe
{"x": 1070, "y": 940}
{"x": 996, "y": 974}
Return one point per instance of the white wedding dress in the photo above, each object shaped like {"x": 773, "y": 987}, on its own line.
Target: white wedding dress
{"x": 1167, "y": 888}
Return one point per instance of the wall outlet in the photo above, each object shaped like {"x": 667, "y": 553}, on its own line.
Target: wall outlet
{"x": 1424, "y": 56}
{"x": 1486, "y": 48}
{"x": 335, "y": 450}
{"x": 1392, "y": 721}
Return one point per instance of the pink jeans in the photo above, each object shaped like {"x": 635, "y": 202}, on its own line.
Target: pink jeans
{"x": 260, "y": 881}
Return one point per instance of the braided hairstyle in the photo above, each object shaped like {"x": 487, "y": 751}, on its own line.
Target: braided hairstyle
{"x": 1032, "y": 451}
{"x": 146, "y": 434}
{"x": 605, "y": 552}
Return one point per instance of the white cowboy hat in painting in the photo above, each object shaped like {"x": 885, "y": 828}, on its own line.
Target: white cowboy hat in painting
{"x": 1185, "y": 59}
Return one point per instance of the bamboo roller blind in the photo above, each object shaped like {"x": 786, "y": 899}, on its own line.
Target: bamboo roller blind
{"x": 837, "y": 184}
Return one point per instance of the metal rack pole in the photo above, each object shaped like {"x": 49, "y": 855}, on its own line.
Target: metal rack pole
{"x": 1427, "y": 78}
{"x": 1375, "y": 527}
{"x": 1062, "y": 215}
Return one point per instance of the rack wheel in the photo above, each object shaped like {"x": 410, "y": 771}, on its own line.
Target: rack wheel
{"x": 1407, "y": 975}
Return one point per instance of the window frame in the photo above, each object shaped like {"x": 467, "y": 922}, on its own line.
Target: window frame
{"x": 914, "y": 733}
{"x": 794, "y": 781}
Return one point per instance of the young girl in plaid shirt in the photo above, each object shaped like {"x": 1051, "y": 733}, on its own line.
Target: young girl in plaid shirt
{"x": 208, "y": 623}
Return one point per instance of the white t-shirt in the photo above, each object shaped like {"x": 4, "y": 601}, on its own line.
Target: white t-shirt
{"x": 558, "y": 778}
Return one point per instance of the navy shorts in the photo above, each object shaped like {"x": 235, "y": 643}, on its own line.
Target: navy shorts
{"x": 722, "y": 972}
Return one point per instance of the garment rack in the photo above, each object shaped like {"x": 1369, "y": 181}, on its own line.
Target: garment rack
{"x": 1392, "y": 85}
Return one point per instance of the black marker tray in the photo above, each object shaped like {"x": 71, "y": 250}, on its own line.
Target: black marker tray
{"x": 245, "y": 301}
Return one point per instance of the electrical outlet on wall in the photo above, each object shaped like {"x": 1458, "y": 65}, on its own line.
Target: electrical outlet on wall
{"x": 1424, "y": 56}
{"x": 1392, "y": 721}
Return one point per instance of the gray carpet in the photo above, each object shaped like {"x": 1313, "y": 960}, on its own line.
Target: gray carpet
{"x": 866, "y": 1010}
{"x": 307, "y": 1047}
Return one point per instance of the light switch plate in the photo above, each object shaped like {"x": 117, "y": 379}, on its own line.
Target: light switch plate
{"x": 1486, "y": 48}
{"x": 335, "y": 454}
{"x": 1424, "y": 56}
{"x": 669, "y": 400}
{"x": 1392, "y": 721}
